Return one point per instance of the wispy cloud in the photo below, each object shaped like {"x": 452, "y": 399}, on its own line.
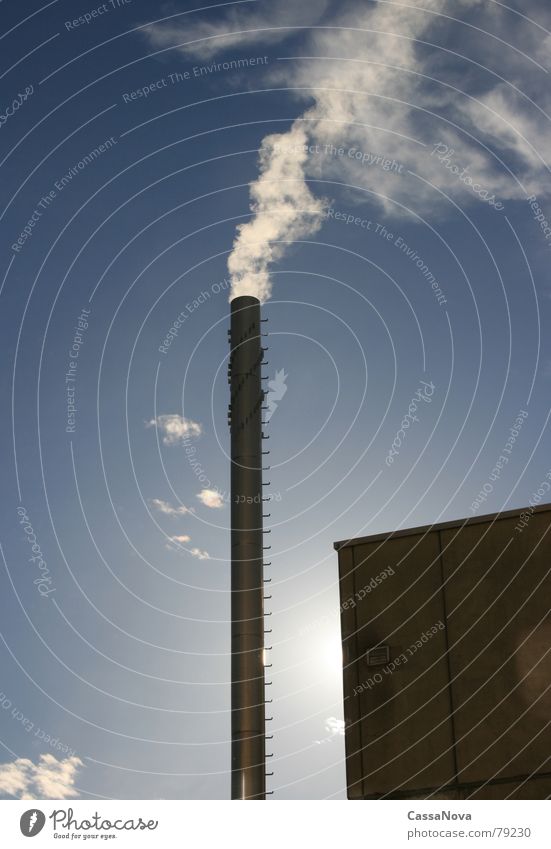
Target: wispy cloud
{"x": 250, "y": 24}
{"x": 168, "y": 509}
{"x": 211, "y": 498}
{"x": 178, "y": 542}
{"x": 47, "y": 779}
{"x": 379, "y": 88}
{"x": 175, "y": 428}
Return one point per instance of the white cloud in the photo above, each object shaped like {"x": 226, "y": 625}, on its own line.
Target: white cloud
{"x": 177, "y": 543}
{"x": 211, "y": 498}
{"x": 167, "y": 509}
{"x": 48, "y": 779}
{"x": 199, "y": 554}
{"x": 175, "y": 428}
{"x": 334, "y": 726}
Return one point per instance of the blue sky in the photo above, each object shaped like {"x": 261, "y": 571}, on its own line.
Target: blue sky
{"x": 422, "y": 283}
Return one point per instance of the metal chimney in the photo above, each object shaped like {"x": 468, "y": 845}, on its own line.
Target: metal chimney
{"x": 247, "y": 551}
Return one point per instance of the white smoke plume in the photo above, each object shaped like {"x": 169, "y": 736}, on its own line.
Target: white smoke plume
{"x": 382, "y": 86}
{"x": 284, "y": 210}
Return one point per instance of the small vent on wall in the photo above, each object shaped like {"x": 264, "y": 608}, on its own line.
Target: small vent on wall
{"x": 378, "y": 655}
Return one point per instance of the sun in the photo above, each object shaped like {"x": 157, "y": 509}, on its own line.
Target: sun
{"x": 331, "y": 653}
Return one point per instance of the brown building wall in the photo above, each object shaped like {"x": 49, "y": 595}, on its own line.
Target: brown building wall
{"x": 462, "y": 708}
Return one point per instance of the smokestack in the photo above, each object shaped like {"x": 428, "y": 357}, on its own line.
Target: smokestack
{"x": 247, "y": 580}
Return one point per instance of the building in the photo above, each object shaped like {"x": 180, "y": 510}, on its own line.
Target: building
{"x": 446, "y": 634}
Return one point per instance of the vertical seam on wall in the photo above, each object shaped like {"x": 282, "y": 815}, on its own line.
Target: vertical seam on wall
{"x": 448, "y": 662}
{"x": 356, "y": 662}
